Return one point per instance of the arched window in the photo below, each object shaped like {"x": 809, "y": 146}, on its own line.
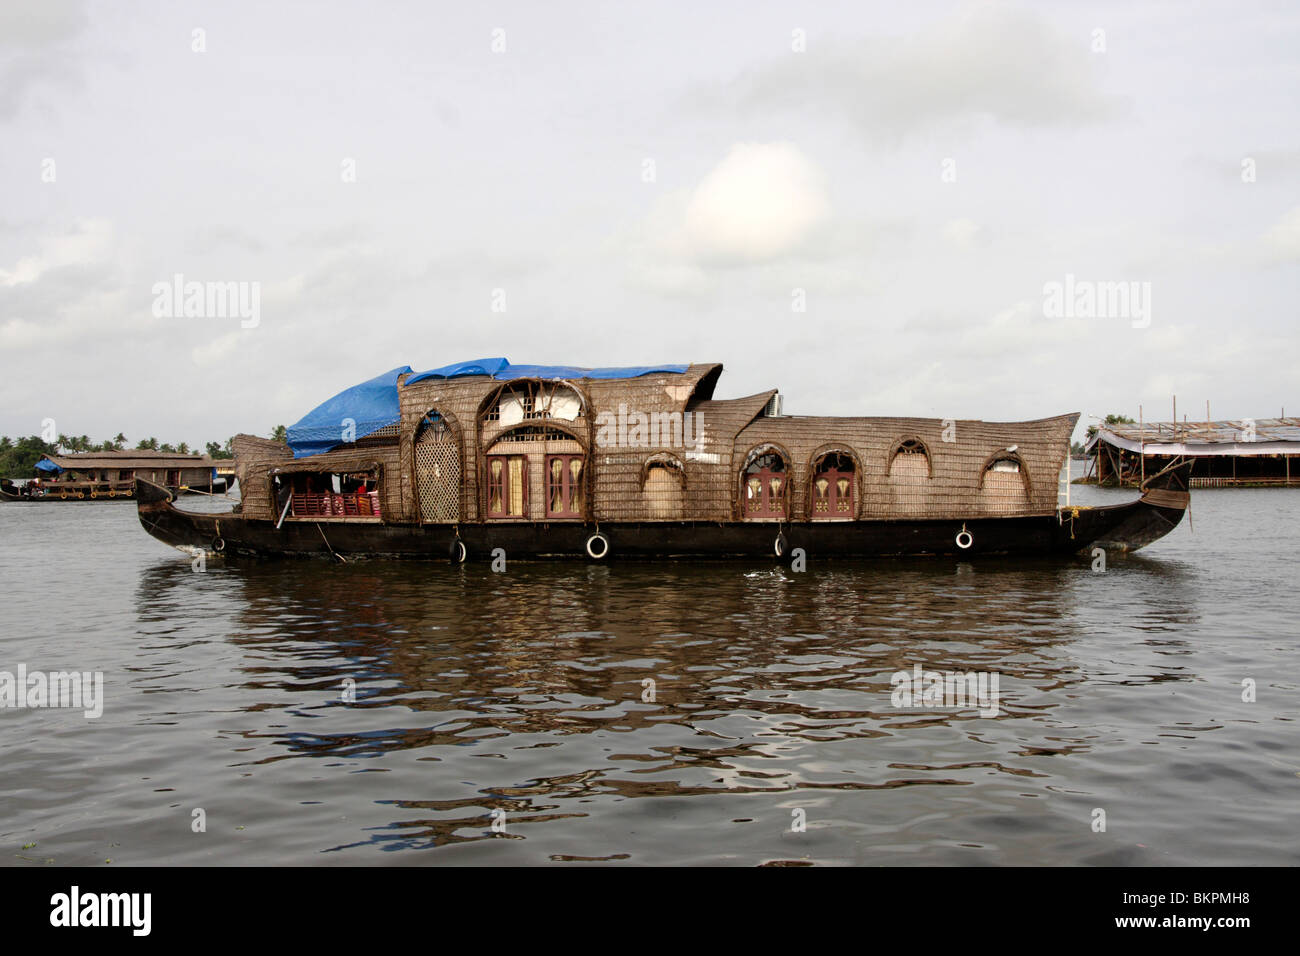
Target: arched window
{"x": 909, "y": 458}
{"x": 765, "y": 484}
{"x": 834, "y": 487}
{"x": 1004, "y": 483}
{"x": 663, "y": 478}
{"x": 535, "y": 471}
{"x": 907, "y": 484}
{"x": 437, "y": 470}
{"x": 532, "y": 401}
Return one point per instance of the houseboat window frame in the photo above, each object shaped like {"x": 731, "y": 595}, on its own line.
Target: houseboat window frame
{"x": 765, "y": 475}
{"x": 536, "y": 398}
{"x": 506, "y": 487}
{"x": 816, "y": 472}
{"x": 1003, "y": 454}
{"x": 674, "y": 505}
{"x": 569, "y": 488}
{"x": 446, "y": 429}
{"x": 341, "y": 505}
{"x": 910, "y": 445}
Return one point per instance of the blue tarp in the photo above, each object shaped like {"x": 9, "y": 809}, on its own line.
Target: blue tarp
{"x": 373, "y": 405}
{"x": 366, "y": 408}
{"x": 501, "y": 370}
{"x": 487, "y": 366}
{"x": 46, "y": 465}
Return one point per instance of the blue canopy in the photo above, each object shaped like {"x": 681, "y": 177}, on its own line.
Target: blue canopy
{"x": 366, "y": 408}
{"x": 46, "y": 465}
{"x": 501, "y": 370}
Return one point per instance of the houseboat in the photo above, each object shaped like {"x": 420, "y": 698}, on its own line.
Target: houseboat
{"x": 557, "y": 462}
{"x": 1243, "y": 453}
{"x": 106, "y": 475}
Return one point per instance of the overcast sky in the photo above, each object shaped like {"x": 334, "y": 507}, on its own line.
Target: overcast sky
{"x": 647, "y": 183}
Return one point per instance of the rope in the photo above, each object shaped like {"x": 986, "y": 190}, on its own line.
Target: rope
{"x": 210, "y": 494}
{"x": 327, "y": 544}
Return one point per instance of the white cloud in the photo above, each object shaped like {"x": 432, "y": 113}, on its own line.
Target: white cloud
{"x": 764, "y": 206}
{"x": 761, "y": 202}
{"x": 217, "y": 351}
{"x": 1283, "y": 240}
{"x": 992, "y": 61}
{"x": 89, "y": 239}
{"x": 962, "y": 233}
{"x": 35, "y": 49}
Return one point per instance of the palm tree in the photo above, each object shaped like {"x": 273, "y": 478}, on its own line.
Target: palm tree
{"x": 1110, "y": 420}
{"x": 280, "y": 434}
{"x": 119, "y": 442}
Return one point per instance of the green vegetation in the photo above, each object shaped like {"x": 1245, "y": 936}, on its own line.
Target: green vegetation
{"x": 1110, "y": 420}
{"x": 18, "y": 458}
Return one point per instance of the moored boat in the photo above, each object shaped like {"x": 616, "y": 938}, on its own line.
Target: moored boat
{"x": 109, "y": 475}
{"x": 485, "y": 458}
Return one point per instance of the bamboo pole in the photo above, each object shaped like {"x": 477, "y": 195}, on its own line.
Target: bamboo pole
{"x": 1142, "y": 449}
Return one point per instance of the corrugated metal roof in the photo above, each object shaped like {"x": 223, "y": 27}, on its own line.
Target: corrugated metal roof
{"x": 137, "y": 458}
{"x": 1245, "y": 436}
{"x": 1230, "y": 431}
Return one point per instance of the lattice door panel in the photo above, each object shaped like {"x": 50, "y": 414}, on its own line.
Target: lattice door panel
{"x": 437, "y": 470}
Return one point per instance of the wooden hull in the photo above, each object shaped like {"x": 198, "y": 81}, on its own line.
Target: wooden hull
{"x": 73, "y": 491}
{"x": 1123, "y": 527}
{"x": 95, "y": 491}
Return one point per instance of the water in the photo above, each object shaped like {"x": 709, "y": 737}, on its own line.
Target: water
{"x": 523, "y": 692}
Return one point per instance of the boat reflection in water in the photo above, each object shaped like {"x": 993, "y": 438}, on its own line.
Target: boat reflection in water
{"x": 558, "y": 692}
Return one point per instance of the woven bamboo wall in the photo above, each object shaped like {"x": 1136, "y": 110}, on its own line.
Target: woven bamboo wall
{"x": 258, "y": 460}
{"x": 949, "y": 482}
{"x": 613, "y": 477}
{"x": 254, "y": 457}
{"x": 618, "y": 491}
{"x": 953, "y": 490}
{"x": 712, "y": 485}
